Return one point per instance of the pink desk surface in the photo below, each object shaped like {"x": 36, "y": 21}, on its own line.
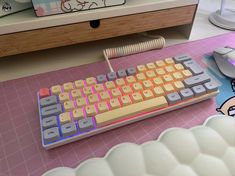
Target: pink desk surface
{"x": 21, "y": 152}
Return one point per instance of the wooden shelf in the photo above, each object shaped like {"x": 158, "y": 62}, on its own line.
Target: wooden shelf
{"x": 23, "y": 32}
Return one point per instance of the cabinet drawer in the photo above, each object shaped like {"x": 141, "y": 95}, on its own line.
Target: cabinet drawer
{"x": 40, "y": 39}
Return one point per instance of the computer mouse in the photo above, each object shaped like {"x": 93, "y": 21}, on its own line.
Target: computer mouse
{"x": 225, "y": 60}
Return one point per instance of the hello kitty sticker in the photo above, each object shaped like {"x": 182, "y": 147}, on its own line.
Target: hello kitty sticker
{"x": 52, "y": 7}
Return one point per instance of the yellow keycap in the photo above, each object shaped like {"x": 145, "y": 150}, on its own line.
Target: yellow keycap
{"x": 56, "y": 90}
{"x": 160, "y": 71}
{"x": 160, "y": 63}
{"x": 136, "y": 97}
{"x": 147, "y": 84}
{"x": 68, "y": 105}
{"x": 68, "y": 86}
{"x": 90, "y": 110}
{"x": 130, "y": 79}
{"x": 137, "y": 86}
{"x": 102, "y": 107}
{"x": 110, "y": 85}
{"x": 140, "y": 76}
{"x": 177, "y": 75}
{"x": 126, "y": 89}
{"x": 150, "y": 66}
{"x": 179, "y": 66}
{"x": 125, "y": 100}
{"x": 147, "y": 94}
{"x": 120, "y": 82}
{"x": 169, "y": 61}
{"x": 167, "y": 78}
{"x": 178, "y": 85}
{"x": 93, "y": 98}
{"x": 81, "y": 102}
{"x": 104, "y": 96}
{"x": 150, "y": 74}
{"x": 115, "y": 93}
{"x": 64, "y": 97}
{"x": 87, "y": 90}
{"x": 157, "y": 81}
{"x": 109, "y": 117}
{"x": 168, "y": 88}
{"x": 78, "y": 114}
{"x": 187, "y": 73}
{"x": 141, "y": 68}
{"x": 114, "y": 103}
{"x": 158, "y": 91}
{"x": 99, "y": 87}
{"x": 79, "y": 84}
{"x": 91, "y": 81}
{"x": 65, "y": 118}
{"x": 76, "y": 93}
{"x": 170, "y": 69}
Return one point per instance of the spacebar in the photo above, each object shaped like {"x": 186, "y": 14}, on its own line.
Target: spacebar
{"x": 111, "y": 116}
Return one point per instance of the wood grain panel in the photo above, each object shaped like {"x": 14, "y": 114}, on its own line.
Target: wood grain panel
{"x": 40, "y": 39}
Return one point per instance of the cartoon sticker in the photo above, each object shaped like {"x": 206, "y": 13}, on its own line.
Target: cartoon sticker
{"x": 228, "y": 107}
{"x": 226, "y": 98}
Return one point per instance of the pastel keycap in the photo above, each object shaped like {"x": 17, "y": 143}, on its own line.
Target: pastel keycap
{"x": 91, "y": 81}
{"x": 78, "y": 114}
{"x": 121, "y": 73}
{"x": 51, "y": 135}
{"x": 186, "y": 94}
{"x": 211, "y": 87}
{"x": 111, "y": 76}
{"x": 47, "y": 101}
{"x": 44, "y": 92}
{"x": 56, "y": 90}
{"x": 85, "y": 124}
{"x": 79, "y": 84}
{"x": 199, "y": 90}
{"x": 68, "y": 86}
{"x": 65, "y": 118}
{"x": 49, "y": 122}
{"x": 193, "y": 67}
{"x": 101, "y": 78}
{"x": 80, "y": 102}
{"x": 173, "y": 98}
{"x": 102, "y": 107}
{"x": 51, "y": 110}
{"x": 68, "y": 129}
{"x": 196, "y": 80}
{"x": 90, "y": 110}
{"x": 76, "y": 93}
{"x": 131, "y": 71}
{"x": 182, "y": 58}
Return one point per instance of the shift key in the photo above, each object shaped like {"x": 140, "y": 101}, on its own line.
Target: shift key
{"x": 52, "y": 110}
{"x": 196, "y": 80}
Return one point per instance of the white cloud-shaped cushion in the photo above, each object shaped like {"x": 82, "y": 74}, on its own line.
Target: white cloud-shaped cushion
{"x": 207, "y": 150}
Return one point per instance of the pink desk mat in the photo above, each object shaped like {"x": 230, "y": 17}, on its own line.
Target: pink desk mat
{"x": 21, "y": 152}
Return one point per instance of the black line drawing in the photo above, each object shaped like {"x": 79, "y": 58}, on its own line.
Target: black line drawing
{"x": 77, "y": 5}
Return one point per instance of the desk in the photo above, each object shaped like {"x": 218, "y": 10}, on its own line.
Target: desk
{"x": 20, "y": 146}
{"x": 23, "y": 32}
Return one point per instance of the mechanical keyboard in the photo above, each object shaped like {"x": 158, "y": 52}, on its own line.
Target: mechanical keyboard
{"x": 82, "y": 108}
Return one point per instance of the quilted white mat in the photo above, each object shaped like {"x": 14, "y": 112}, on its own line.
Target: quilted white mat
{"x": 207, "y": 150}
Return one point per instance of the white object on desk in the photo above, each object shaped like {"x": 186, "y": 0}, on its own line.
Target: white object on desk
{"x": 225, "y": 17}
{"x": 202, "y": 150}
